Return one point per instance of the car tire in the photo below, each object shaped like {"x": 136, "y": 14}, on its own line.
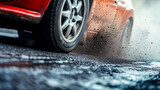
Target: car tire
{"x": 62, "y": 25}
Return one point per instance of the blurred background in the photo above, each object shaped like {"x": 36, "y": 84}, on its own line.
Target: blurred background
{"x": 145, "y": 42}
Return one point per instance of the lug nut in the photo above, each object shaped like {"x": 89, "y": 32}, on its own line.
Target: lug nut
{"x": 73, "y": 20}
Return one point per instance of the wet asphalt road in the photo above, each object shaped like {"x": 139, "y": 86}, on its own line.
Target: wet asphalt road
{"x": 24, "y": 67}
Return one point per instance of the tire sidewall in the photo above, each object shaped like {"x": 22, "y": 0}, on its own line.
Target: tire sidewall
{"x": 62, "y": 44}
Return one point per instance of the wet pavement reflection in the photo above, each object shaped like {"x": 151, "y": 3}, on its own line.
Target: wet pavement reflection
{"x": 25, "y": 68}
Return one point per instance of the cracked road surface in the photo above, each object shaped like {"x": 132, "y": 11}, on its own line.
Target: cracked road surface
{"x": 25, "y": 68}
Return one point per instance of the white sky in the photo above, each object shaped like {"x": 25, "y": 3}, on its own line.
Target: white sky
{"x": 146, "y": 32}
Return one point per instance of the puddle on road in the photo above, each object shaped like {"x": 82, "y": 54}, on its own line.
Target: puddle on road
{"x": 34, "y": 69}
{"x": 8, "y": 33}
{"x": 74, "y": 72}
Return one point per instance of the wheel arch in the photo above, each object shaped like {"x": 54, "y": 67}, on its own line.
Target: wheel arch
{"x": 129, "y": 14}
{"x": 92, "y": 4}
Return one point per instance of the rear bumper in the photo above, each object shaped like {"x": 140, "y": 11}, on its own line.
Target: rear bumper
{"x": 20, "y": 14}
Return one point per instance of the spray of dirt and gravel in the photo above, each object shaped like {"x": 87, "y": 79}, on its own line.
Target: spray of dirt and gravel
{"x": 145, "y": 40}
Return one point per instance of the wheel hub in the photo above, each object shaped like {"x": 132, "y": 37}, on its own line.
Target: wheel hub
{"x": 73, "y": 14}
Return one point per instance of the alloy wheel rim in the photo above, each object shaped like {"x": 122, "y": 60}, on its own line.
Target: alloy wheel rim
{"x": 72, "y": 16}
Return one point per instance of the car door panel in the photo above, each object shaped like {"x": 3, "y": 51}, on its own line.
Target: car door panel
{"x": 120, "y": 14}
{"x": 104, "y": 14}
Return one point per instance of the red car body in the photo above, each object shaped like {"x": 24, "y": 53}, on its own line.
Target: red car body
{"x": 30, "y": 10}
{"x": 33, "y": 10}
{"x": 109, "y": 14}
{"x": 103, "y": 15}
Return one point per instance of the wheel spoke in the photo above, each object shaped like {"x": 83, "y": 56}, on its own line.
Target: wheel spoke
{"x": 69, "y": 4}
{"x": 75, "y": 29}
{"x": 75, "y": 3}
{"x": 68, "y": 32}
{"x": 66, "y": 13}
{"x": 78, "y": 18}
{"x": 79, "y": 6}
{"x": 65, "y": 24}
{"x": 71, "y": 19}
{"x": 70, "y": 36}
